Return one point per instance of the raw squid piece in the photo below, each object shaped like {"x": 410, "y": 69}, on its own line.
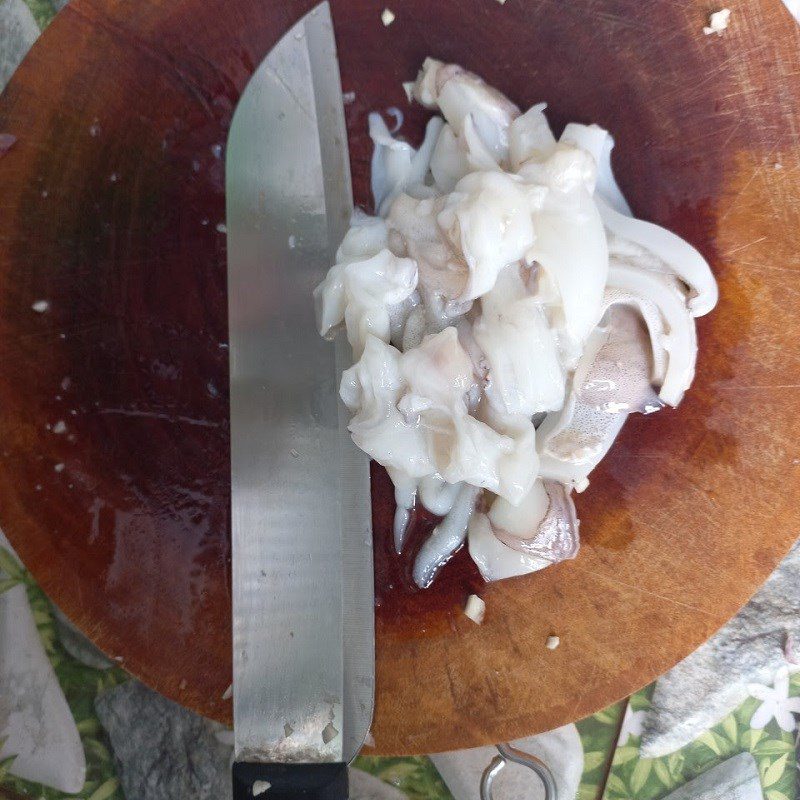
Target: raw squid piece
{"x": 507, "y": 313}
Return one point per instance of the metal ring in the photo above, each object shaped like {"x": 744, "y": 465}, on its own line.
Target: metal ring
{"x": 509, "y": 753}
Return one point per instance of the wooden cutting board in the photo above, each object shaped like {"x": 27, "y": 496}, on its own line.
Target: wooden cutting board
{"x": 114, "y": 481}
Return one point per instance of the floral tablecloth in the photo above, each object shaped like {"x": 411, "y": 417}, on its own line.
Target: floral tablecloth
{"x": 764, "y": 725}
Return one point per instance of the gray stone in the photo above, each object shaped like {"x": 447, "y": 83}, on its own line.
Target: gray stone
{"x": 77, "y": 645}
{"x": 712, "y": 681}
{"x": 162, "y": 750}
{"x": 734, "y": 779}
{"x": 18, "y": 31}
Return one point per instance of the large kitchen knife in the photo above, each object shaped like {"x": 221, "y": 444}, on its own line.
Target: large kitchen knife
{"x": 303, "y": 626}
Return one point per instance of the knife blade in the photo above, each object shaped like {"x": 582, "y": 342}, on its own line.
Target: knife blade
{"x": 303, "y": 624}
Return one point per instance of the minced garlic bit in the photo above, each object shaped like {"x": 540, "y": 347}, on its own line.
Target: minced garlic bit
{"x": 228, "y": 693}
{"x": 718, "y": 21}
{"x": 552, "y": 642}
{"x": 40, "y": 306}
{"x": 475, "y": 609}
{"x": 259, "y": 787}
{"x": 387, "y": 17}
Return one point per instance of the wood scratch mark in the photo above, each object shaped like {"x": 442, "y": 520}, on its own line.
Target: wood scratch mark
{"x": 588, "y": 682}
{"x": 124, "y": 412}
{"x": 454, "y": 694}
{"x": 770, "y": 267}
{"x": 731, "y": 134}
{"x": 743, "y": 246}
{"x": 759, "y": 387}
{"x": 115, "y": 30}
{"x": 761, "y": 169}
{"x": 641, "y": 590}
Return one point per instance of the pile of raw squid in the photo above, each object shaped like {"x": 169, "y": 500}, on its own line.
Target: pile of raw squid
{"x": 506, "y": 313}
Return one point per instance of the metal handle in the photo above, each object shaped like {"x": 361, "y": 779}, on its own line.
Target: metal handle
{"x": 508, "y": 753}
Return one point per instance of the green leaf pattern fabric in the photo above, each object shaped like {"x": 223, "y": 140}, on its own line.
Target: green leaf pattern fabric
{"x": 773, "y": 748}
{"x": 613, "y": 769}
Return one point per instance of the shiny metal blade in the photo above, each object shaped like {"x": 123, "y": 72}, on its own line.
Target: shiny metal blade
{"x": 303, "y": 627}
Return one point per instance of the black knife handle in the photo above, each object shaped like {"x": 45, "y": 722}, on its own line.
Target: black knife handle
{"x": 291, "y": 781}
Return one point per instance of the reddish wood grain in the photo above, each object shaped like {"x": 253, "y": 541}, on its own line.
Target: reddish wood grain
{"x": 110, "y": 205}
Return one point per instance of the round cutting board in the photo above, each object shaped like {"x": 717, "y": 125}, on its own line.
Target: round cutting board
{"x": 114, "y": 448}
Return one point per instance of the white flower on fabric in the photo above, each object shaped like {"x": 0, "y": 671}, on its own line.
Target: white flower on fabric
{"x": 775, "y": 703}
{"x": 632, "y": 724}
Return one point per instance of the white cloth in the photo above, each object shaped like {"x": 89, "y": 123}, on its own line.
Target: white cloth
{"x": 34, "y": 714}
{"x": 560, "y": 749}
{"x": 364, "y": 786}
